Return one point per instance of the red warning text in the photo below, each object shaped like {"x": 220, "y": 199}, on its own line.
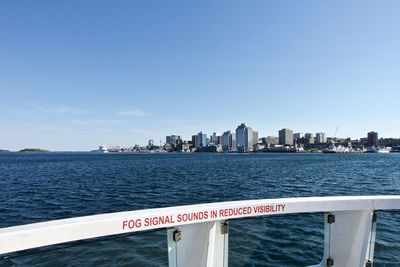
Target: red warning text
{"x": 199, "y": 216}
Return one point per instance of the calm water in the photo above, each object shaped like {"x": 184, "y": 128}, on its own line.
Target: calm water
{"x": 40, "y": 187}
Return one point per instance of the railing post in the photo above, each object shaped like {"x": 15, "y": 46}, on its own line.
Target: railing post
{"x": 201, "y": 244}
{"x": 372, "y": 237}
{"x": 349, "y": 238}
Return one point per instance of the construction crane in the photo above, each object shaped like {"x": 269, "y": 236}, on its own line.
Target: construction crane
{"x": 334, "y": 136}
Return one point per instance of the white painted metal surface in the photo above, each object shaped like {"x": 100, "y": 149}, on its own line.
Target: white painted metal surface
{"x": 347, "y": 239}
{"x": 200, "y": 227}
{"x": 201, "y": 244}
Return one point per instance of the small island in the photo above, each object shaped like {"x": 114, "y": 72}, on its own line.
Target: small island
{"x": 3, "y": 150}
{"x": 34, "y": 150}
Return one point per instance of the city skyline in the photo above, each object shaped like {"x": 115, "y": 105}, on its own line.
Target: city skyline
{"x": 76, "y": 75}
{"x": 246, "y": 140}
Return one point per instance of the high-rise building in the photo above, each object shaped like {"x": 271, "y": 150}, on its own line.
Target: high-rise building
{"x": 296, "y": 136}
{"x": 244, "y": 138}
{"x": 201, "y": 140}
{"x": 213, "y": 138}
{"x": 168, "y": 139}
{"x": 249, "y": 133}
{"x": 309, "y": 138}
{"x": 194, "y": 141}
{"x": 240, "y": 136}
{"x": 219, "y": 140}
{"x": 173, "y": 139}
{"x": 373, "y": 139}
{"x": 233, "y": 142}
{"x": 320, "y": 138}
{"x": 255, "y": 140}
{"x": 228, "y": 141}
{"x": 286, "y": 137}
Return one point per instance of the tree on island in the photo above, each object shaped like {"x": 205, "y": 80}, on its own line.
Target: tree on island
{"x": 34, "y": 150}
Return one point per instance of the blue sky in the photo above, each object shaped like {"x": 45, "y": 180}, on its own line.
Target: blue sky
{"x": 77, "y": 74}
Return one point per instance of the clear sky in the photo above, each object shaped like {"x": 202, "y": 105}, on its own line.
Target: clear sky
{"x": 77, "y": 74}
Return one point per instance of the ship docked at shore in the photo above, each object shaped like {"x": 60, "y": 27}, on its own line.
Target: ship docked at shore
{"x": 333, "y": 148}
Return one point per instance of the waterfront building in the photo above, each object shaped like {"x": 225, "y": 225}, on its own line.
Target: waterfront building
{"x": 240, "y": 136}
{"x": 321, "y": 138}
{"x": 363, "y": 141}
{"x": 219, "y": 148}
{"x": 244, "y": 138}
{"x": 210, "y": 148}
{"x": 185, "y": 147}
{"x": 168, "y": 139}
{"x": 213, "y": 138}
{"x": 233, "y": 142}
{"x": 228, "y": 141}
{"x": 249, "y": 145}
{"x": 255, "y": 140}
{"x": 219, "y": 140}
{"x": 309, "y": 138}
{"x": 286, "y": 137}
{"x": 296, "y": 136}
{"x": 272, "y": 140}
{"x": 194, "y": 141}
{"x": 201, "y": 139}
{"x": 225, "y": 140}
{"x": 373, "y": 139}
{"x": 263, "y": 140}
{"x": 173, "y": 139}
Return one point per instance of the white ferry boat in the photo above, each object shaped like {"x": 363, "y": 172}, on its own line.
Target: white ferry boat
{"x": 337, "y": 149}
{"x": 342, "y": 149}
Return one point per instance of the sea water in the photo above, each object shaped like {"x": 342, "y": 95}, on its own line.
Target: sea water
{"x": 36, "y": 187}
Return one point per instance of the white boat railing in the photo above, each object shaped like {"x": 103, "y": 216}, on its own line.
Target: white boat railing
{"x": 198, "y": 234}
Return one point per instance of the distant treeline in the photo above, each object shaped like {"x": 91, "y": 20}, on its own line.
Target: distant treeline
{"x": 390, "y": 142}
{"x": 34, "y": 150}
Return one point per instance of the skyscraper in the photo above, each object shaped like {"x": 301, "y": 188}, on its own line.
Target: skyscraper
{"x": 321, "y": 138}
{"x": 213, "y": 138}
{"x": 244, "y": 138}
{"x": 373, "y": 139}
{"x": 233, "y": 142}
{"x": 286, "y": 137}
{"x": 249, "y": 133}
{"x": 240, "y": 136}
{"x": 219, "y": 138}
{"x": 226, "y": 141}
{"x": 194, "y": 141}
{"x": 309, "y": 138}
{"x": 255, "y": 139}
{"x": 201, "y": 140}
